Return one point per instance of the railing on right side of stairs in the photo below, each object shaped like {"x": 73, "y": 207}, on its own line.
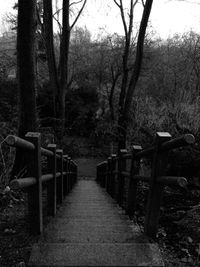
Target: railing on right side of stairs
{"x": 120, "y": 175}
{"x": 60, "y": 177}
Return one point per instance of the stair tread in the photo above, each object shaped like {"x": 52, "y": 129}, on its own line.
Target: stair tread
{"x": 91, "y": 230}
{"x": 83, "y": 254}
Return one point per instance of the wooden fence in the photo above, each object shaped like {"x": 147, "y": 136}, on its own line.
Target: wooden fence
{"x": 120, "y": 175}
{"x": 59, "y": 179}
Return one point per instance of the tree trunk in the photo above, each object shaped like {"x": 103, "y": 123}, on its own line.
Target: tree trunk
{"x": 48, "y": 31}
{"x": 64, "y": 62}
{"x": 26, "y": 66}
{"x": 139, "y": 56}
{"x": 128, "y": 31}
{"x": 59, "y": 76}
{"x": 26, "y": 74}
{"x": 124, "y": 116}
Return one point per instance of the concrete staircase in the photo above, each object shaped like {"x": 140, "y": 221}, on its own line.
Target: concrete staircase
{"x": 91, "y": 230}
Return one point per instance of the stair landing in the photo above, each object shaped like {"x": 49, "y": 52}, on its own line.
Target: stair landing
{"x": 90, "y": 229}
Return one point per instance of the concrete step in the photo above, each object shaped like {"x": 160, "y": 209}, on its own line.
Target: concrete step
{"x": 84, "y": 216}
{"x": 88, "y": 208}
{"x": 90, "y": 229}
{"x": 92, "y": 235}
{"x": 87, "y": 226}
{"x": 53, "y": 254}
{"x": 106, "y": 220}
{"x": 92, "y": 206}
{"x": 90, "y": 212}
{"x": 60, "y": 236}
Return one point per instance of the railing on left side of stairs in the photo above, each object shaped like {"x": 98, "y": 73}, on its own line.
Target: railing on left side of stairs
{"x": 60, "y": 177}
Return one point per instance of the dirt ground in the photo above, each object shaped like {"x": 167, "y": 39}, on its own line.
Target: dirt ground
{"x": 15, "y": 240}
{"x": 179, "y": 225}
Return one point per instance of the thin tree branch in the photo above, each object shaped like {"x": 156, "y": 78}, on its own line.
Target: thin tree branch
{"x": 123, "y": 18}
{"x": 59, "y": 24}
{"x": 121, "y": 8}
{"x": 79, "y": 13}
{"x": 74, "y": 3}
{"x": 143, "y": 3}
{"x": 117, "y": 3}
{"x": 57, "y": 11}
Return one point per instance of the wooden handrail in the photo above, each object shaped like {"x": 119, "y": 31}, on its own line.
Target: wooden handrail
{"x": 23, "y": 183}
{"x": 61, "y": 176}
{"x": 184, "y": 140}
{"x": 187, "y": 139}
{"x": 113, "y": 174}
{"x": 15, "y": 141}
{"x": 165, "y": 180}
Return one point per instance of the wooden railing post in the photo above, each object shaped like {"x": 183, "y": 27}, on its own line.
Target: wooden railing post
{"x": 113, "y": 175}
{"x": 108, "y": 176}
{"x": 72, "y": 170}
{"x": 76, "y": 173}
{"x": 155, "y": 189}
{"x": 69, "y": 173}
{"x": 121, "y": 168}
{"x": 101, "y": 175}
{"x": 59, "y": 152}
{"x": 104, "y": 173}
{"x": 35, "y": 192}
{"x": 66, "y": 180}
{"x": 97, "y": 173}
{"x": 132, "y": 190}
{"x": 52, "y": 185}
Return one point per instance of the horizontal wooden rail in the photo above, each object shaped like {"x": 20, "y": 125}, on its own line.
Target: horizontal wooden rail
{"x": 127, "y": 156}
{"x": 26, "y": 182}
{"x": 23, "y": 183}
{"x": 120, "y": 175}
{"x": 47, "y": 153}
{"x": 48, "y": 177}
{"x": 184, "y": 140}
{"x": 164, "y": 180}
{"x": 187, "y": 139}
{"x": 15, "y": 141}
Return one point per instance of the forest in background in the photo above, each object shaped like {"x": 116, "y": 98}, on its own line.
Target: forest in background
{"x": 99, "y": 71}
{"x": 166, "y": 98}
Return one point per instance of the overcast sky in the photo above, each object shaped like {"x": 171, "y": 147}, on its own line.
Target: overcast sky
{"x": 167, "y": 16}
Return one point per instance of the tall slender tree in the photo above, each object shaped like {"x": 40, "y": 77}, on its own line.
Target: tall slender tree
{"x": 26, "y": 34}
{"x": 130, "y": 79}
{"x": 59, "y": 76}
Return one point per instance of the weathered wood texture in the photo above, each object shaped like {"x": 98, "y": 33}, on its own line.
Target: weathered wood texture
{"x": 121, "y": 174}
{"x": 61, "y": 176}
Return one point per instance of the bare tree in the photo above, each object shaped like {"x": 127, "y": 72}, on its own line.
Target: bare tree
{"x": 128, "y": 84}
{"x": 60, "y": 75}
